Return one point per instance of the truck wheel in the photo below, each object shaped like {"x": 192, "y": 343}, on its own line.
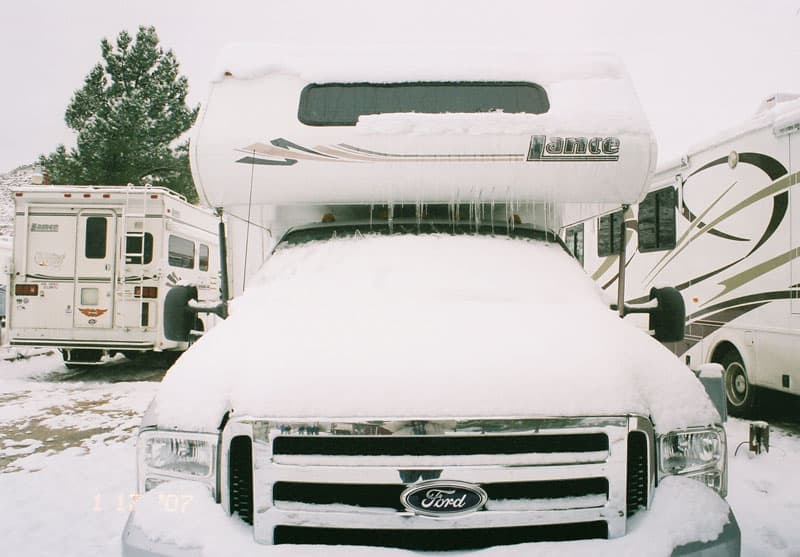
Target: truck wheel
{"x": 741, "y": 394}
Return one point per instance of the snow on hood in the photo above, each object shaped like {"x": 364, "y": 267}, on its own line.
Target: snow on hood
{"x": 424, "y": 327}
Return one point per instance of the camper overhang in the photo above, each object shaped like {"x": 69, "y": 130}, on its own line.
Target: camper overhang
{"x": 281, "y": 127}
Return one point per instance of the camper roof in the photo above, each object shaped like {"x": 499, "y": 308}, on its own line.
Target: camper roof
{"x": 322, "y": 125}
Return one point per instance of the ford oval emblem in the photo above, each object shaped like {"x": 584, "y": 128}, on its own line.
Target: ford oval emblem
{"x": 441, "y": 498}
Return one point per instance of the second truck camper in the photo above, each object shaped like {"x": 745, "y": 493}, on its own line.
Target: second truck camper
{"x": 93, "y": 268}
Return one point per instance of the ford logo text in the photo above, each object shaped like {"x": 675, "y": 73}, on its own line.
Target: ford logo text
{"x": 443, "y": 498}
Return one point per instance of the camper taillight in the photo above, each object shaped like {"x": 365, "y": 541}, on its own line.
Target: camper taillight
{"x": 145, "y": 292}
{"x": 26, "y": 290}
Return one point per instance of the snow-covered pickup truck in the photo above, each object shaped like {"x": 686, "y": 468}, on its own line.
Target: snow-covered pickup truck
{"x": 430, "y": 390}
{"x": 420, "y": 364}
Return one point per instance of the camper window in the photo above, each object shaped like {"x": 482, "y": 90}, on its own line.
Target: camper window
{"x": 609, "y": 234}
{"x": 181, "y": 252}
{"x": 134, "y": 254}
{"x": 203, "y": 258}
{"x": 341, "y": 104}
{"x": 657, "y": 220}
{"x": 96, "y": 228}
{"x": 574, "y": 241}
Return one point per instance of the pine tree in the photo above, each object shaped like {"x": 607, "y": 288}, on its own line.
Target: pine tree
{"x": 128, "y": 117}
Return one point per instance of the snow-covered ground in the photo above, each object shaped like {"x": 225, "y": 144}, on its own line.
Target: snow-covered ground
{"x": 67, "y": 456}
{"x": 67, "y": 464}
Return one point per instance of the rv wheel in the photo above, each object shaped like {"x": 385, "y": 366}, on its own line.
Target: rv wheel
{"x": 740, "y": 392}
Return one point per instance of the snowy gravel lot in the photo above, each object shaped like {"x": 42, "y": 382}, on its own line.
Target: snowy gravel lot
{"x": 67, "y": 462}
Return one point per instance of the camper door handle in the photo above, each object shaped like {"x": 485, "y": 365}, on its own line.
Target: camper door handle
{"x": 108, "y": 266}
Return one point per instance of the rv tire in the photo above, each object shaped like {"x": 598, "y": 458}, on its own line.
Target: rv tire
{"x": 739, "y": 391}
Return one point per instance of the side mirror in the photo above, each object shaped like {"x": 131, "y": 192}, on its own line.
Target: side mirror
{"x": 668, "y": 318}
{"x": 667, "y": 314}
{"x": 178, "y": 318}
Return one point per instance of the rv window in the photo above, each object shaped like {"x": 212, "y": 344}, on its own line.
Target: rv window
{"x": 574, "y": 241}
{"x": 96, "y": 228}
{"x": 609, "y": 234}
{"x": 203, "y": 257}
{"x": 340, "y": 104}
{"x": 181, "y": 252}
{"x": 133, "y": 249}
{"x": 657, "y": 220}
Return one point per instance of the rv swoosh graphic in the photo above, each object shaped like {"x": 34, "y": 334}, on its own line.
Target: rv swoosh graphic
{"x": 753, "y": 273}
{"x": 283, "y": 152}
{"x": 631, "y": 226}
{"x": 779, "y": 210}
{"x": 770, "y": 166}
{"x": 695, "y": 222}
{"x": 752, "y": 299}
{"x": 707, "y": 321}
{"x": 605, "y": 266}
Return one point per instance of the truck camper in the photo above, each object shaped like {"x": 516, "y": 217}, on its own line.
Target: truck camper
{"x": 93, "y": 267}
{"x": 723, "y": 225}
{"x": 420, "y": 363}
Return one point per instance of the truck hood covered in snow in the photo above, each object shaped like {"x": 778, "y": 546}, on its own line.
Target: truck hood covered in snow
{"x": 415, "y": 327}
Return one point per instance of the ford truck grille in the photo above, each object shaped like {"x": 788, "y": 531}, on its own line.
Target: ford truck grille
{"x": 304, "y": 482}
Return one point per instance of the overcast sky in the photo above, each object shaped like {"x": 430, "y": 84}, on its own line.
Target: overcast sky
{"x": 699, "y": 67}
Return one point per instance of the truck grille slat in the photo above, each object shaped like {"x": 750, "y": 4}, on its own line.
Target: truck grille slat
{"x": 241, "y": 478}
{"x": 439, "y": 445}
{"x": 637, "y": 482}
{"x": 440, "y": 539}
{"x": 388, "y": 496}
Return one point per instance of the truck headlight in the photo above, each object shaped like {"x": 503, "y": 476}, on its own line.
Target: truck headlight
{"x": 175, "y": 455}
{"x": 699, "y": 453}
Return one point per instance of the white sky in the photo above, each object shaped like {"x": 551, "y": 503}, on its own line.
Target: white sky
{"x": 699, "y": 67}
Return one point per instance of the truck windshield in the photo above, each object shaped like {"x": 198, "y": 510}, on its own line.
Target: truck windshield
{"x": 327, "y": 231}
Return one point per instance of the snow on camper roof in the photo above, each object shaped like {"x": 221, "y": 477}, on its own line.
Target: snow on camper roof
{"x": 341, "y": 125}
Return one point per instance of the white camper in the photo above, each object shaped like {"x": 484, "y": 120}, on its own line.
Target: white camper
{"x": 420, "y": 363}
{"x": 93, "y": 266}
{"x": 722, "y": 224}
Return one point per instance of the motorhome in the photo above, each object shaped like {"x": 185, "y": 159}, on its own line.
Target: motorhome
{"x": 722, "y": 224}
{"x": 93, "y": 266}
{"x": 420, "y": 363}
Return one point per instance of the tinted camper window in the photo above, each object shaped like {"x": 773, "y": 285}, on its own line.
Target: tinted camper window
{"x": 96, "y": 228}
{"x": 657, "y": 220}
{"x": 134, "y": 254}
{"x": 181, "y": 252}
{"x": 203, "y": 257}
{"x": 340, "y": 104}
{"x": 574, "y": 240}
{"x": 609, "y": 234}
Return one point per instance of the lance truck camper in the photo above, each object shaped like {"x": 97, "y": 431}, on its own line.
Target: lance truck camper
{"x": 420, "y": 364}
{"x": 722, "y": 224}
{"x": 93, "y": 267}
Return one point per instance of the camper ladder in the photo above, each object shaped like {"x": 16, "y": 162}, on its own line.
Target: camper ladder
{"x": 133, "y": 227}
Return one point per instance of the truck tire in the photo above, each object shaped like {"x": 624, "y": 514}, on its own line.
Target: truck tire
{"x": 739, "y": 391}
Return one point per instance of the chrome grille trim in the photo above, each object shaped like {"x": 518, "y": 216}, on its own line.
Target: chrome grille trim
{"x": 398, "y": 470}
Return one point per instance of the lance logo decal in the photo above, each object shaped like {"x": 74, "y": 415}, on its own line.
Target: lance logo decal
{"x": 565, "y": 149}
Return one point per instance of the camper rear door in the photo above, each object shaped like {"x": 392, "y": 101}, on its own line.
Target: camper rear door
{"x": 95, "y": 262}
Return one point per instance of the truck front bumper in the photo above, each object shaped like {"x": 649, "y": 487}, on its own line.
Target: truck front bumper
{"x": 188, "y": 523}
